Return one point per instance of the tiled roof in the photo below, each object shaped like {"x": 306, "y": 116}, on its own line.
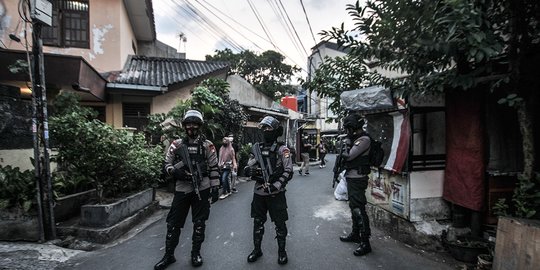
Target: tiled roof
{"x": 155, "y": 71}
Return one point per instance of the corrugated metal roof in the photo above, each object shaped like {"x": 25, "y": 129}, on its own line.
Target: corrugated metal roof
{"x": 155, "y": 71}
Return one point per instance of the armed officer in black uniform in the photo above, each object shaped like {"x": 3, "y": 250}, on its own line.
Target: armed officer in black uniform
{"x": 269, "y": 196}
{"x": 189, "y": 194}
{"x": 356, "y": 163}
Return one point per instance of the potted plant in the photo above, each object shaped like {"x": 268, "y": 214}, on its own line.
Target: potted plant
{"x": 465, "y": 248}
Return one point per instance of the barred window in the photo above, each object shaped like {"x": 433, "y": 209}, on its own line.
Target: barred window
{"x": 428, "y": 139}
{"x": 136, "y": 115}
{"x": 70, "y": 25}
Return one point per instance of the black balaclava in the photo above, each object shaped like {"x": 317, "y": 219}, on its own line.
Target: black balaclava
{"x": 353, "y": 125}
{"x": 276, "y": 130}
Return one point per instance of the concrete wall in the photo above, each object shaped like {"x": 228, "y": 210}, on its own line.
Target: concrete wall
{"x": 158, "y": 49}
{"x": 110, "y": 34}
{"x": 127, "y": 37}
{"x": 246, "y": 94}
{"x": 426, "y": 196}
{"x": 164, "y": 103}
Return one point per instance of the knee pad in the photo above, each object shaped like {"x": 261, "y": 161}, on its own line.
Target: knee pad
{"x": 258, "y": 225}
{"x": 281, "y": 229}
{"x": 357, "y": 213}
{"x": 198, "y": 227}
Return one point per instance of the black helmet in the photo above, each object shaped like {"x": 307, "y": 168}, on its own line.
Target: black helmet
{"x": 353, "y": 121}
{"x": 193, "y": 116}
{"x": 269, "y": 121}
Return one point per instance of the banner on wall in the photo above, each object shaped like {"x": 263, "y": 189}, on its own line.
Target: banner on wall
{"x": 393, "y": 130}
{"x": 400, "y": 142}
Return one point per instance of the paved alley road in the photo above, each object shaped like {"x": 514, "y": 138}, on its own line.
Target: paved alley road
{"x": 316, "y": 220}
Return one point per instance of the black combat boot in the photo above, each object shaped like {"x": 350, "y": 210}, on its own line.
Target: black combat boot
{"x": 363, "y": 248}
{"x": 258, "y": 232}
{"x": 365, "y": 231}
{"x": 281, "y": 235}
{"x": 198, "y": 239}
{"x": 171, "y": 241}
{"x": 354, "y": 236}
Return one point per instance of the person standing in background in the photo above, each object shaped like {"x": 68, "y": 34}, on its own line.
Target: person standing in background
{"x": 323, "y": 149}
{"x": 234, "y": 173}
{"x": 305, "y": 147}
{"x": 227, "y": 164}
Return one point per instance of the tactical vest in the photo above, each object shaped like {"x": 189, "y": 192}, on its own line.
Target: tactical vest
{"x": 270, "y": 153}
{"x": 197, "y": 155}
{"x": 361, "y": 163}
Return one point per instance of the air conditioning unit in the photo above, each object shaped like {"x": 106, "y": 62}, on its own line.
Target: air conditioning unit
{"x": 41, "y": 11}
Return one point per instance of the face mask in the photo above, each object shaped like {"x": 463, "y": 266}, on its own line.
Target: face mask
{"x": 192, "y": 131}
{"x": 269, "y": 136}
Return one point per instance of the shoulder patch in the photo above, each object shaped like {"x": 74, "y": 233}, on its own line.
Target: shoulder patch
{"x": 212, "y": 148}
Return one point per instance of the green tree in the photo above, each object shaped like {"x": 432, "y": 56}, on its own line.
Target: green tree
{"x": 448, "y": 45}
{"x": 267, "y": 72}
{"x": 113, "y": 161}
{"x": 222, "y": 115}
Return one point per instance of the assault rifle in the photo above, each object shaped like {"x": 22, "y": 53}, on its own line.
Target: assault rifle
{"x": 338, "y": 167}
{"x": 266, "y": 170}
{"x": 196, "y": 174}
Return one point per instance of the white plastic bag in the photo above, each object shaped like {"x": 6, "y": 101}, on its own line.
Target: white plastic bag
{"x": 341, "y": 190}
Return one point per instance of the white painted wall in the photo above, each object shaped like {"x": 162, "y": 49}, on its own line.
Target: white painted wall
{"x": 20, "y": 158}
{"x": 426, "y": 184}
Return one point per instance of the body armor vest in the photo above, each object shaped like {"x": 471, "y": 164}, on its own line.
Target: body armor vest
{"x": 270, "y": 153}
{"x": 361, "y": 163}
{"x": 196, "y": 155}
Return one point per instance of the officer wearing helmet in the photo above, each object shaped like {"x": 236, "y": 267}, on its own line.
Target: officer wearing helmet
{"x": 357, "y": 169}
{"x": 270, "y": 199}
{"x": 202, "y": 152}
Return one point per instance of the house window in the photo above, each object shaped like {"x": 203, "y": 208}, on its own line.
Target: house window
{"x": 136, "y": 115}
{"x": 70, "y": 25}
{"x": 428, "y": 139}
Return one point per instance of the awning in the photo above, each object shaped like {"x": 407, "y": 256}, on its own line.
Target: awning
{"x": 369, "y": 99}
{"x": 270, "y": 112}
{"x": 62, "y": 70}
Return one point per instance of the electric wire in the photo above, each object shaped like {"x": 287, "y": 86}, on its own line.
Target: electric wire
{"x": 214, "y": 26}
{"x": 187, "y": 29}
{"x": 255, "y": 33}
{"x": 259, "y": 19}
{"x": 294, "y": 28}
{"x": 281, "y": 17}
{"x": 230, "y": 26}
{"x": 190, "y": 15}
{"x": 307, "y": 19}
{"x": 311, "y": 31}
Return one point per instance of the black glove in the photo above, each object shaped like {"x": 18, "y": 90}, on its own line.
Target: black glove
{"x": 214, "y": 194}
{"x": 275, "y": 186}
{"x": 259, "y": 179}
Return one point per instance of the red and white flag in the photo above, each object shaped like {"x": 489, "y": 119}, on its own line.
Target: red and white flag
{"x": 400, "y": 141}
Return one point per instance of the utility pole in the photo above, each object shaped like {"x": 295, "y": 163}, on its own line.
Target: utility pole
{"x": 41, "y": 13}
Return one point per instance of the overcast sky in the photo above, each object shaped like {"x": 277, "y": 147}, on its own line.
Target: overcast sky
{"x": 233, "y": 24}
